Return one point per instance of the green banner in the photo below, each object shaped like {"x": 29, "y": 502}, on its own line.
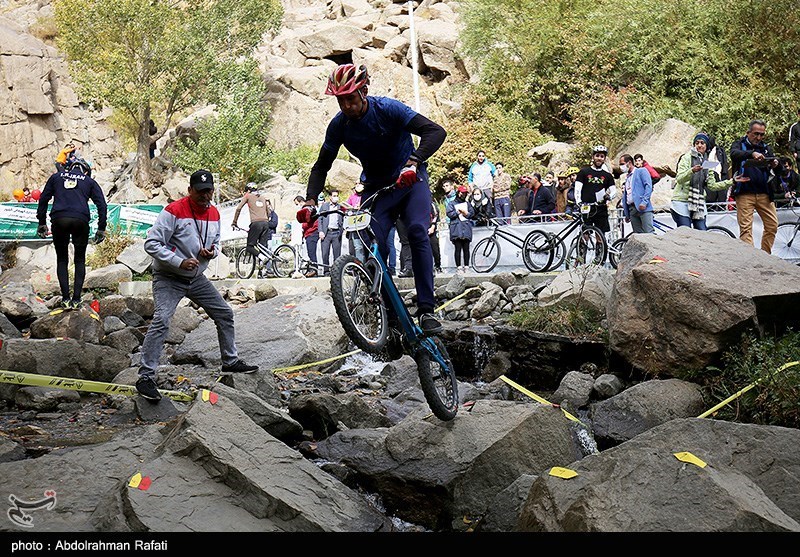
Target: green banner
{"x": 18, "y": 220}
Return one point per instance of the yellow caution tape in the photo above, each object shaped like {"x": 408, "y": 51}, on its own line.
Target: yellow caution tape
{"x": 564, "y": 473}
{"x": 537, "y": 398}
{"x": 690, "y": 458}
{"x": 450, "y": 301}
{"x": 19, "y": 378}
{"x": 736, "y": 395}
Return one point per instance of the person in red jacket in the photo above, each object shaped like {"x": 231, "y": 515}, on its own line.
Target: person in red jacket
{"x": 310, "y": 233}
{"x": 639, "y": 162}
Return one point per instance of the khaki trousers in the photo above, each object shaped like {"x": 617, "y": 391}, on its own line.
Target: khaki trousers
{"x": 746, "y": 203}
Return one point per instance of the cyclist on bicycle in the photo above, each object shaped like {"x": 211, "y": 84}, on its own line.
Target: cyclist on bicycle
{"x": 594, "y": 184}
{"x": 263, "y": 220}
{"x": 377, "y": 131}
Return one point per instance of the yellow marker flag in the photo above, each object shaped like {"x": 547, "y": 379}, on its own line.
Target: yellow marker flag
{"x": 95, "y": 316}
{"x": 564, "y": 473}
{"x": 205, "y": 394}
{"x": 135, "y": 480}
{"x": 56, "y": 311}
{"x": 690, "y": 458}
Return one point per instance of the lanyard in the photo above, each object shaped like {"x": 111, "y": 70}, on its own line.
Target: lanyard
{"x": 202, "y": 237}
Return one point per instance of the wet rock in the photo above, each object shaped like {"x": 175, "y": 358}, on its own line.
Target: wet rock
{"x": 607, "y": 385}
{"x": 504, "y": 509}
{"x": 498, "y": 364}
{"x": 323, "y": 413}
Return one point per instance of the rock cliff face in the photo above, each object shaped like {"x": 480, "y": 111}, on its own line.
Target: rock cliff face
{"x": 39, "y": 109}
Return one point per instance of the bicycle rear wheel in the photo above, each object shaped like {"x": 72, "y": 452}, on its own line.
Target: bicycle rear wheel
{"x": 245, "y": 264}
{"x": 589, "y": 248}
{"x": 538, "y": 251}
{"x": 615, "y": 251}
{"x": 438, "y": 382}
{"x": 363, "y": 319}
{"x": 284, "y": 261}
{"x": 721, "y": 230}
{"x": 485, "y": 255}
{"x": 787, "y": 242}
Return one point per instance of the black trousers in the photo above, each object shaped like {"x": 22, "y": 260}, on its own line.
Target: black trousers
{"x": 76, "y": 230}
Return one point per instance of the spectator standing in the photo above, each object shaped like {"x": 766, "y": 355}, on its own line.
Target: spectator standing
{"x": 357, "y": 246}
{"x": 785, "y": 183}
{"x": 549, "y": 182}
{"x": 153, "y": 130}
{"x": 64, "y": 157}
{"x": 594, "y": 184}
{"x": 461, "y": 213}
{"x": 688, "y": 206}
{"x": 434, "y": 237}
{"x": 69, "y": 218}
{"x": 752, "y": 159}
{"x": 449, "y": 195}
{"x": 501, "y": 190}
{"x": 636, "y": 192}
{"x": 481, "y": 174}
{"x": 572, "y": 175}
{"x": 562, "y": 188}
{"x": 263, "y": 221}
{"x": 330, "y": 231}
{"x": 541, "y": 201}
{"x": 482, "y": 208}
{"x": 718, "y": 155}
{"x": 522, "y": 196}
{"x": 639, "y": 162}
{"x": 310, "y": 233}
{"x": 184, "y": 238}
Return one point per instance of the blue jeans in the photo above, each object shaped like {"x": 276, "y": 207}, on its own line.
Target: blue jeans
{"x": 680, "y": 220}
{"x": 502, "y": 209}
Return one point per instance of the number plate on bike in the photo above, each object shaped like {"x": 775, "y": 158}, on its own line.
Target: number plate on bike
{"x": 353, "y": 223}
{"x": 585, "y": 209}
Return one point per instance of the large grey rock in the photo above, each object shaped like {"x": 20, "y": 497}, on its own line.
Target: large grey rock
{"x": 331, "y": 39}
{"x": 126, "y": 341}
{"x": 135, "y": 258}
{"x": 217, "y": 454}
{"x": 750, "y": 483}
{"x": 661, "y": 144}
{"x": 439, "y": 48}
{"x": 108, "y": 277}
{"x": 645, "y": 406}
{"x": 665, "y": 321}
{"x": 503, "y": 512}
{"x": 43, "y": 399}
{"x": 112, "y": 324}
{"x": 63, "y": 358}
{"x": 10, "y": 450}
{"x": 323, "y": 413}
{"x": 108, "y": 465}
{"x": 590, "y": 285}
{"x": 430, "y": 472}
{"x": 20, "y": 303}
{"x": 274, "y": 421}
{"x": 607, "y": 385}
{"x": 7, "y": 328}
{"x": 486, "y": 303}
{"x": 576, "y": 388}
{"x": 82, "y": 324}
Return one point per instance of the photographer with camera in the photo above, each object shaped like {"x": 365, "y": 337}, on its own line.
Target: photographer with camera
{"x": 751, "y": 160}
{"x": 785, "y": 183}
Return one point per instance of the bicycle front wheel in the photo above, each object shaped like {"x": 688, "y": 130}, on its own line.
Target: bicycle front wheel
{"x": 485, "y": 255}
{"x": 245, "y": 264}
{"x": 363, "y": 319}
{"x": 439, "y": 384}
{"x": 538, "y": 251}
{"x": 615, "y": 251}
{"x": 589, "y": 248}
{"x": 721, "y": 230}
{"x": 284, "y": 261}
{"x": 787, "y": 242}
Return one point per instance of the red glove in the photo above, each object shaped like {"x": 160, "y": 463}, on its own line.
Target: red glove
{"x": 408, "y": 177}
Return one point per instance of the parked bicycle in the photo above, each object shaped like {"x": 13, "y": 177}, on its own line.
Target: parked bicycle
{"x": 281, "y": 262}
{"x": 787, "y": 244}
{"x": 615, "y": 249}
{"x": 543, "y": 251}
{"x": 364, "y": 293}
{"x": 486, "y": 253}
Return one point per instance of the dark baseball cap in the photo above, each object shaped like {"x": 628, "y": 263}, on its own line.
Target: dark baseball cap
{"x": 202, "y": 180}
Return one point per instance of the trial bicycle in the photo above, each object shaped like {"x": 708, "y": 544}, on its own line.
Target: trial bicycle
{"x": 280, "y": 262}
{"x": 364, "y": 294}
{"x": 486, "y": 253}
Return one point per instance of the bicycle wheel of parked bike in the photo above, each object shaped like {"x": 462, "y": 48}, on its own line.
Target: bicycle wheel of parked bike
{"x": 245, "y": 264}
{"x": 438, "y": 382}
{"x": 787, "y": 242}
{"x": 615, "y": 251}
{"x": 364, "y": 320}
{"x": 538, "y": 251}
{"x": 485, "y": 255}
{"x": 721, "y": 230}
{"x": 588, "y": 248}
{"x": 284, "y": 261}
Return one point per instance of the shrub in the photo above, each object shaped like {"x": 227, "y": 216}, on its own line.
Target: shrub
{"x": 106, "y": 253}
{"x": 573, "y": 320}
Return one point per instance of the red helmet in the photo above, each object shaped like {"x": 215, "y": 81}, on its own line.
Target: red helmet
{"x": 346, "y": 79}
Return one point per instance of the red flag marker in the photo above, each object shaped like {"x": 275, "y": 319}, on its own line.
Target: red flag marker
{"x": 144, "y": 485}
{"x": 95, "y": 305}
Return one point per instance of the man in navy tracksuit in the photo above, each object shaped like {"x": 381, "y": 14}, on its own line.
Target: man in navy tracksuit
{"x": 69, "y": 218}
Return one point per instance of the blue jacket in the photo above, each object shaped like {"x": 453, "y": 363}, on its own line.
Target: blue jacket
{"x": 460, "y": 229}
{"x": 72, "y": 191}
{"x": 642, "y": 189}
{"x": 741, "y": 151}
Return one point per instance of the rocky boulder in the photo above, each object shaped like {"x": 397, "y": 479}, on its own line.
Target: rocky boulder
{"x": 682, "y": 312}
{"x": 326, "y": 414}
{"x": 63, "y": 358}
{"x": 21, "y": 304}
{"x": 83, "y": 324}
{"x": 661, "y": 144}
{"x": 108, "y": 277}
{"x": 135, "y": 258}
{"x": 591, "y": 285}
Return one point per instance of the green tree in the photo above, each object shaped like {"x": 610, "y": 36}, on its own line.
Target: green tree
{"x": 152, "y": 59}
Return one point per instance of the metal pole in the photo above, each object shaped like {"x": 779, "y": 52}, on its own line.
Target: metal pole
{"x": 414, "y": 63}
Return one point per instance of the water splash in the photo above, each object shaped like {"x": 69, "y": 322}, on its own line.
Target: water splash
{"x": 362, "y": 364}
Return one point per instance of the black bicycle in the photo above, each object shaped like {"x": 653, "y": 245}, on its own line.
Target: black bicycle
{"x": 280, "y": 262}
{"x": 543, "y": 251}
{"x": 486, "y": 253}
{"x": 364, "y": 293}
